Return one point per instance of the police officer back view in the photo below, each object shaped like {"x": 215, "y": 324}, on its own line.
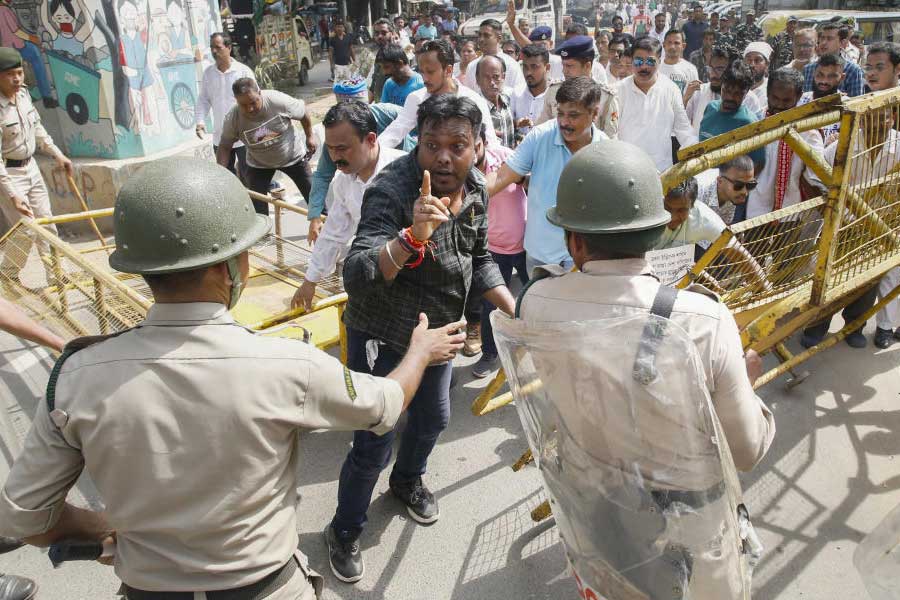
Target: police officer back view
{"x": 188, "y": 423}
{"x": 643, "y": 478}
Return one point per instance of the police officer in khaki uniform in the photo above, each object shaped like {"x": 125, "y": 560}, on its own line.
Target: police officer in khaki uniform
{"x": 577, "y": 56}
{"x": 187, "y": 424}
{"x": 23, "y": 193}
{"x": 607, "y": 240}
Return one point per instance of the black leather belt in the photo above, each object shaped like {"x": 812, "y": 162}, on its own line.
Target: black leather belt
{"x": 263, "y": 588}
{"x": 16, "y": 162}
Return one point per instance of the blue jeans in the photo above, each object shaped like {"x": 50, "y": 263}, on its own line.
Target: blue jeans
{"x": 32, "y": 54}
{"x": 427, "y": 416}
{"x": 506, "y": 263}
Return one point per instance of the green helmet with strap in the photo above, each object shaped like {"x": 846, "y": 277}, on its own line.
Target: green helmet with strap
{"x": 180, "y": 214}
{"x": 611, "y": 189}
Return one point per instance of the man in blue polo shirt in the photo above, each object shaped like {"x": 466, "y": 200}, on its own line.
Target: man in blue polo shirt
{"x": 543, "y": 154}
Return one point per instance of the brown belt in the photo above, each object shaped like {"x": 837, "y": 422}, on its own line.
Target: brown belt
{"x": 263, "y": 588}
{"x": 16, "y": 162}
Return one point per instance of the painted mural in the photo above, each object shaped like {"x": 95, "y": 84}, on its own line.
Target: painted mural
{"x": 113, "y": 78}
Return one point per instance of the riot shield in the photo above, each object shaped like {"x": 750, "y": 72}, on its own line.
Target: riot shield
{"x": 641, "y": 482}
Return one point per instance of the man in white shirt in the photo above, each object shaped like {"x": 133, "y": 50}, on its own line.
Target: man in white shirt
{"x": 660, "y": 29}
{"x": 651, "y": 109}
{"x": 775, "y": 191}
{"x": 758, "y": 55}
{"x": 489, "y": 38}
{"x": 216, "y": 94}
{"x": 352, "y": 143}
{"x": 673, "y": 66}
{"x": 697, "y": 96}
{"x": 435, "y": 61}
{"x": 529, "y": 103}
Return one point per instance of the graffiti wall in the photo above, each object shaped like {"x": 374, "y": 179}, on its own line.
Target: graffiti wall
{"x": 113, "y": 78}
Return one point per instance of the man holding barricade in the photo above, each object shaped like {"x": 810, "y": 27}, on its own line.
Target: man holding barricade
{"x": 188, "y": 423}
{"x": 639, "y": 463}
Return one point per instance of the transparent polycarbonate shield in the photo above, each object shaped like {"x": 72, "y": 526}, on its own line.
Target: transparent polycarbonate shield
{"x": 641, "y": 482}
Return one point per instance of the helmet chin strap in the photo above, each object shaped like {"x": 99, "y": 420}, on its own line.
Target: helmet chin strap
{"x": 237, "y": 284}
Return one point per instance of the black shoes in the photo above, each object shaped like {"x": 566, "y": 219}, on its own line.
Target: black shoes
{"x": 13, "y": 587}
{"x": 344, "y": 557}
{"x": 419, "y": 501}
{"x": 8, "y": 544}
{"x": 884, "y": 337}
{"x": 856, "y": 339}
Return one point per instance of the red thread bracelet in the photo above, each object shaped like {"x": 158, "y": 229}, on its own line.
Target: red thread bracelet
{"x": 408, "y": 240}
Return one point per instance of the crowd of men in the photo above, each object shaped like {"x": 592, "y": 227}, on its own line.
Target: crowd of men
{"x": 431, "y": 194}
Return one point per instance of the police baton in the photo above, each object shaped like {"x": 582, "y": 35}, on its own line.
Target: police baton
{"x": 68, "y": 550}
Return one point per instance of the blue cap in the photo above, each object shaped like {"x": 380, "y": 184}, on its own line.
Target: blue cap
{"x": 539, "y": 34}
{"x": 351, "y": 87}
{"x": 580, "y": 46}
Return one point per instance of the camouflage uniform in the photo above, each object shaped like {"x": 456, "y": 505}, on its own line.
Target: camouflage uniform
{"x": 744, "y": 34}
{"x": 729, "y": 44}
{"x": 783, "y": 50}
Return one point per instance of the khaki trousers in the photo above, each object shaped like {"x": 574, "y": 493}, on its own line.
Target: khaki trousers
{"x": 29, "y": 184}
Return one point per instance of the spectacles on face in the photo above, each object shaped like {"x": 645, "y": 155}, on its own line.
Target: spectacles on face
{"x": 740, "y": 185}
{"x": 640, "y": 62}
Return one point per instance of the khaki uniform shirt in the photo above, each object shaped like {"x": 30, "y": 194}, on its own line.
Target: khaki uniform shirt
{"x": 605, "y": 289}
{"x": 22, "y": 134}
{"x": 188, "y": 427}
{"x": 608, "y": 119}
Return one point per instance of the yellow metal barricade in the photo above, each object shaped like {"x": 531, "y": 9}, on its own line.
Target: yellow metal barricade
{"x": 71, "y": 289}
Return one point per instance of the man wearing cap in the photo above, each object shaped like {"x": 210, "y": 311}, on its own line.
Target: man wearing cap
{"x": 748, "y": 31}
{"x": 23, "y": 193}
{"x": 694, "y": 29}
{"x": 155, "y": 413}
{"x": 539, "y": 35}
{"x": 757, "y": 55}
{"x": 783, "y": 44}
{"x": 577, "y": 55}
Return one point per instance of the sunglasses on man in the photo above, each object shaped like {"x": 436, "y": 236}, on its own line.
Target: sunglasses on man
{"x": 640, "y": 62}
{"x": 739, "y": 185}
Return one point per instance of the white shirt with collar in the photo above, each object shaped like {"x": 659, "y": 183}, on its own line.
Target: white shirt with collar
{"x": 526, "y": 105}
{"x": 216, "y": 94}
{"x": 515, "y": 79}
{"x": 343, "y": 217}
{"x": 598, "y": 72}
{"x": 649, "y": 120}
{"x": 556, "y": 70}
{"x": 406, "y": 119}
{"x": 762, "y": 199}
{"x": 658, "y": 36}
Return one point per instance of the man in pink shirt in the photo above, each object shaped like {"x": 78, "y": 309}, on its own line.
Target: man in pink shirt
{"x": 506, "y": 214}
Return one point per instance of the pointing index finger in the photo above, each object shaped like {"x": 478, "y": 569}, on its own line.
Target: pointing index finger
{"x": 425, "y": 190}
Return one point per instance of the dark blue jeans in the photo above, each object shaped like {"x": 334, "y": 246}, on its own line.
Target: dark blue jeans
{"x": 506, "y": 263}
{"x": 427, "y": 416}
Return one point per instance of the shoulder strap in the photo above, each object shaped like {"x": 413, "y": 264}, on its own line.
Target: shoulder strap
{"x": 644, "y": 370}
{"x": 71, "y": 348}
{"x": 540, "y": 272}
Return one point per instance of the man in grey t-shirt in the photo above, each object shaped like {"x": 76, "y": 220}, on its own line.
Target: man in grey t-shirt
{"x": 264, "y": 121}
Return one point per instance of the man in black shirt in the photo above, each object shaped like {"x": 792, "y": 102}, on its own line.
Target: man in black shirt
{"x": 420, "y": 252}
{"x": 340, "y": 52}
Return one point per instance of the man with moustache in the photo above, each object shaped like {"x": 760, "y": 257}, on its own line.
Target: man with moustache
{"x": 351, "y": 140}
{"x": 727, "y": 187}
{"x": 757, "y": 55}
{"x": 490, "y": 73}
{"x": 435, "y": 61}
{"x": 578, "y": 60}
{"x": 697, "y": 98}
{"x": 830, "y": 43}
{"x": 421, "y": 247}
{"x": 729, "y": 113}
{"x": 651, "y": 108}
{"x": 828, "y": 77}
{"x": 543, "y": 154}
{"x": 528, "y": 104}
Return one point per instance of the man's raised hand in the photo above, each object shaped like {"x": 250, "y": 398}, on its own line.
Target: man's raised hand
{"x": 428, "y": 212}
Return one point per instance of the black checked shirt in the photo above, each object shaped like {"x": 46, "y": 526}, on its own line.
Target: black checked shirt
{"x": 439, "y": 287}
{"x": 503, "y": 121}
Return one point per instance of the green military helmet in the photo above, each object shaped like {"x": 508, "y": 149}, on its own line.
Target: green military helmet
{"x": 179, "y": 214}
{"x": 612, "y": 188}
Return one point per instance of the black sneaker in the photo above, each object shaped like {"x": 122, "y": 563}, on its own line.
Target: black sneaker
{"x": 485, "y": 366}
{"x": 883, "y": 338}
{"x": 344, "y": 557}
{"x": 856, "y": 339}
{"x": 419, "y": 501}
